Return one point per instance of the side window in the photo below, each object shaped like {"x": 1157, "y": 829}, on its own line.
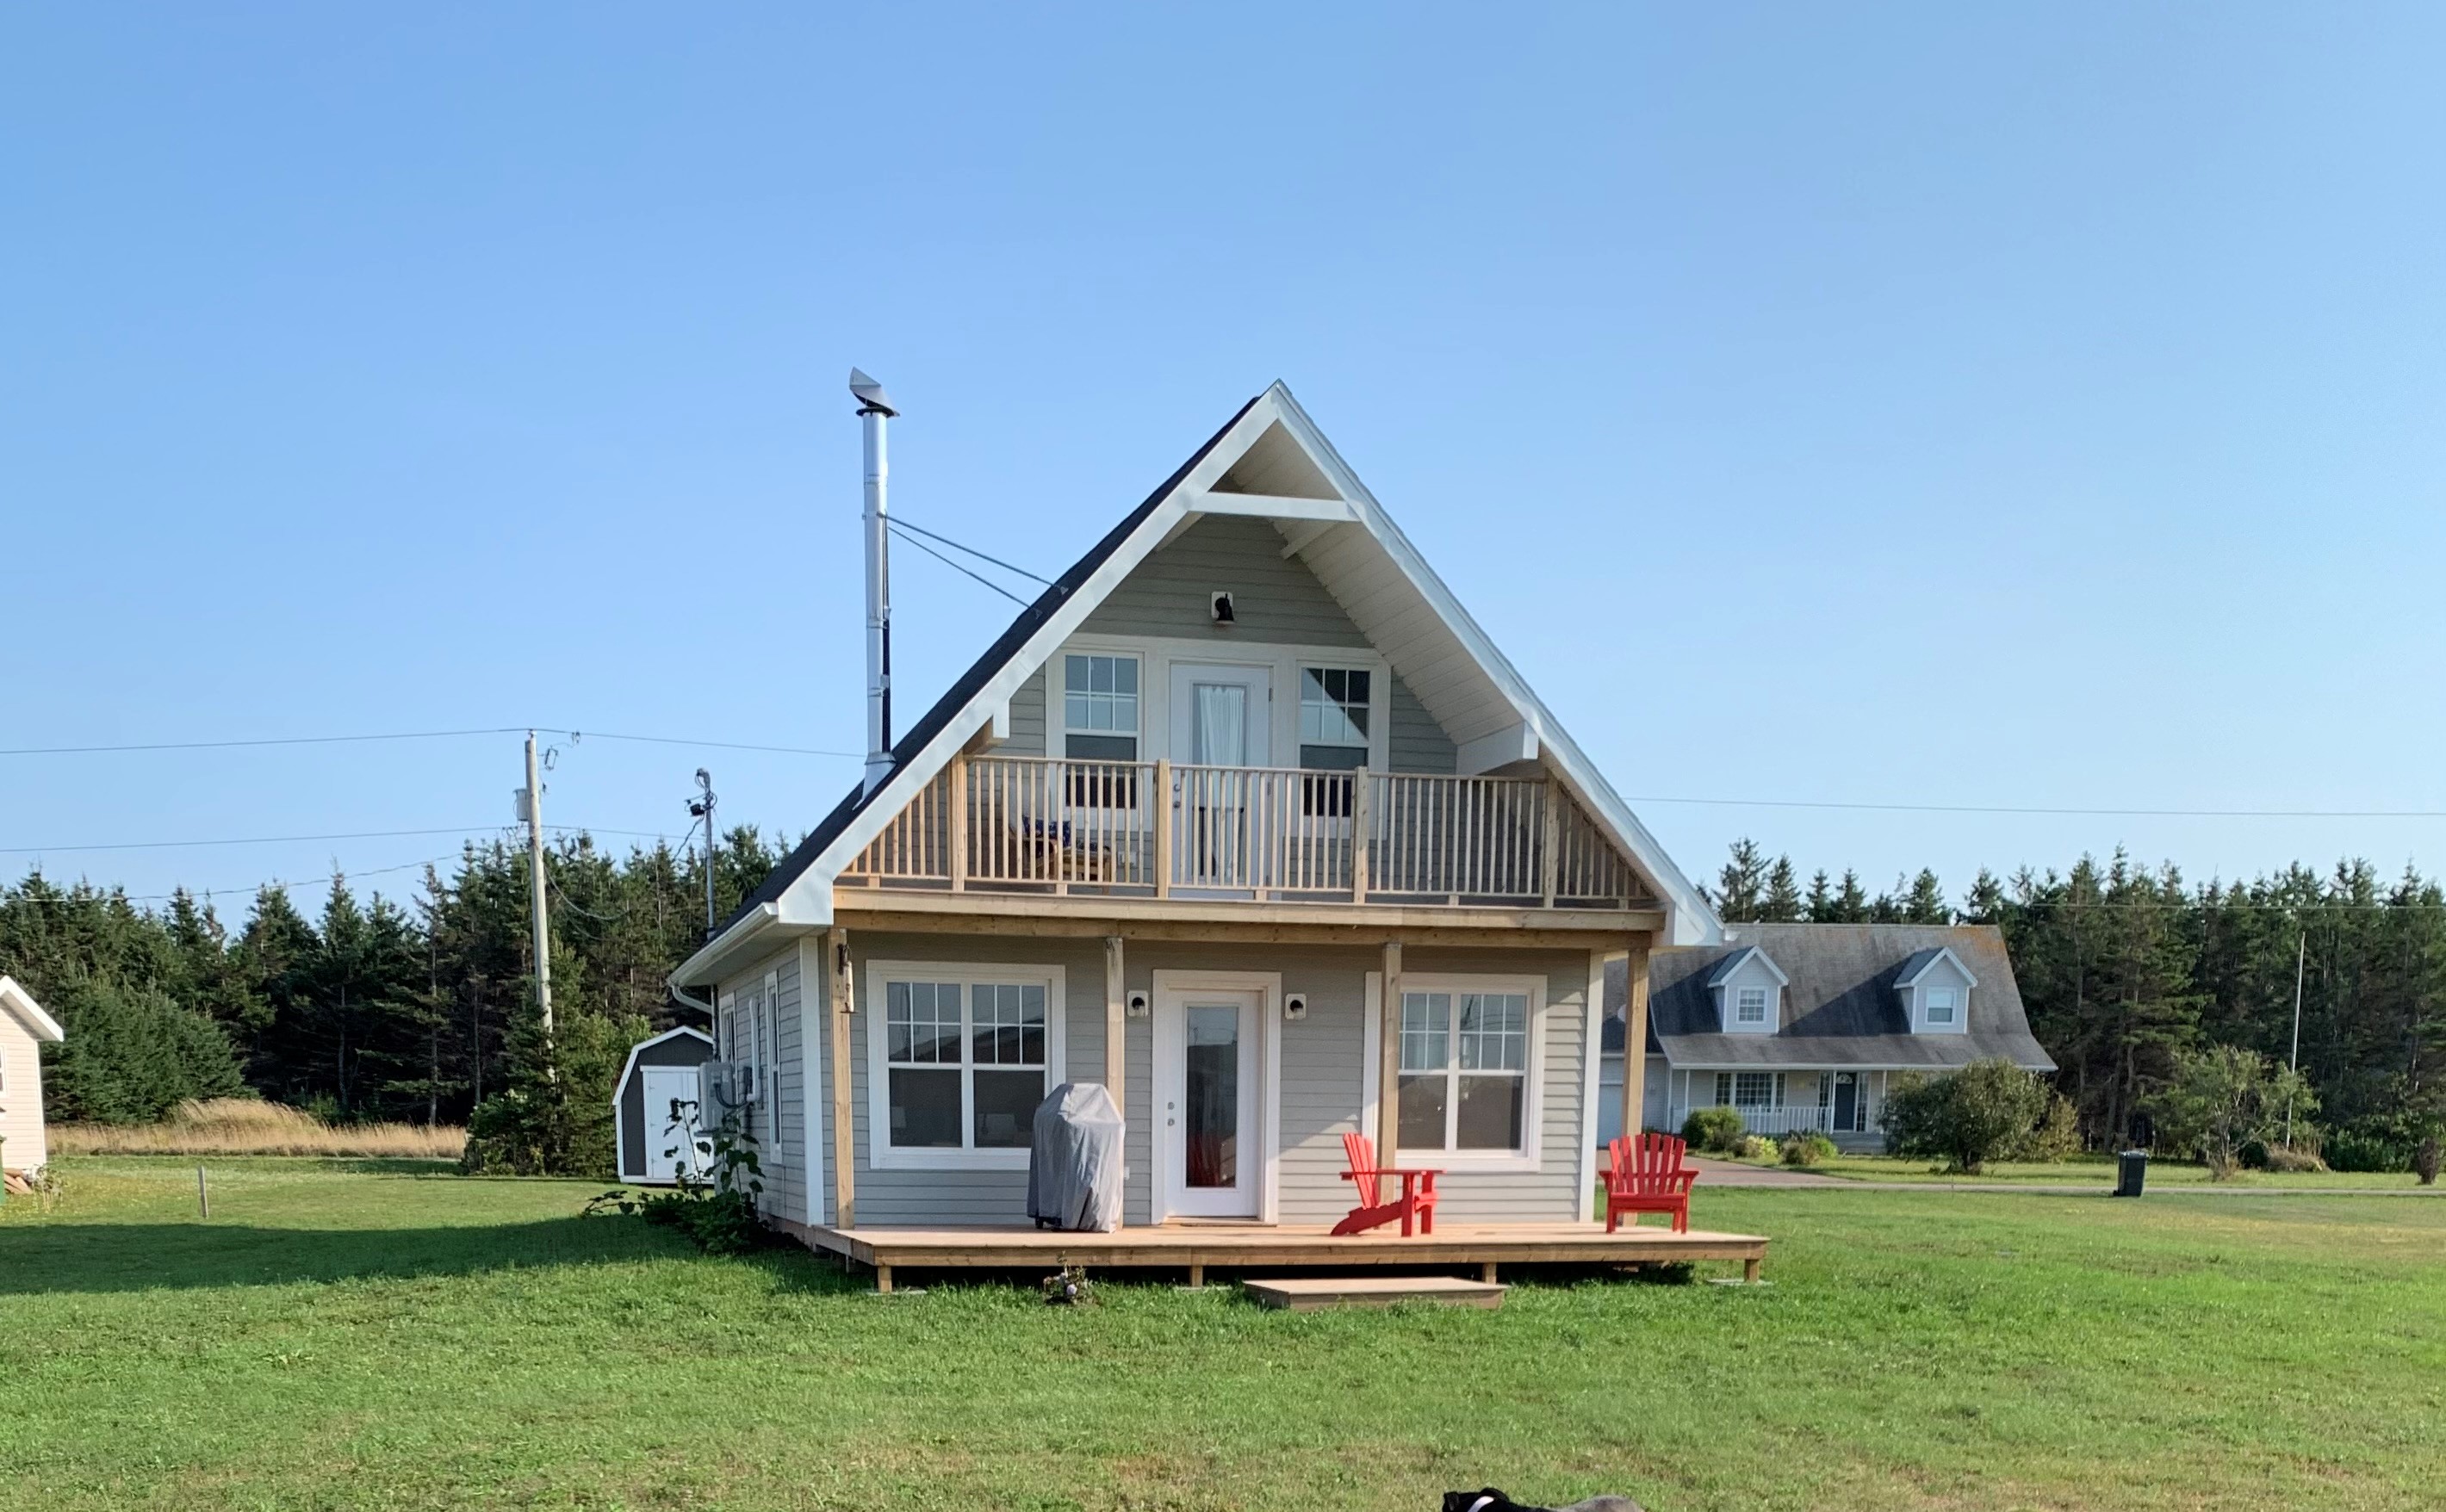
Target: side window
{"x": 1940, "y": 1005}
{"x": 1099, "y": 708}
{"x": 1333, "y": 735}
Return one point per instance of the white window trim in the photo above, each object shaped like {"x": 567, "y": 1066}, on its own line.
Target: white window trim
{"x": 1532, "y": 1128}
{"x": 880, "y": 1153}
{"x": 1952, "y": 1007}
{"x": 1156, "y": 655}
{"x": 1765, "y": 1005}
{"x": 1057, "y": 682}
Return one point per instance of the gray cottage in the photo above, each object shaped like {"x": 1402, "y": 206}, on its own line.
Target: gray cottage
{"x": 1802, "y": 1026}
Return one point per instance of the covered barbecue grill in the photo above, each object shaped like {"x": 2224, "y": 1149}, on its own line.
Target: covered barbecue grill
{"x": 1074, "y": 1165}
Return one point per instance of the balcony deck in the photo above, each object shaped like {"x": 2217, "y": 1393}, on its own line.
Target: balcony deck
{"x": 1152, "y": 829}
{"x": 1272, "y": 1249}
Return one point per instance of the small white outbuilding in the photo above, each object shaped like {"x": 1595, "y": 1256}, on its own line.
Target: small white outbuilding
{"x": 24, "y": 1029}
{"x": 661, "y": 1080}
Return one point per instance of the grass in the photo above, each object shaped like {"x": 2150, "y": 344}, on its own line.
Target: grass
{"x": 242, "y": 1125}
{"x": 362, "y": 1334}
{"x": 2090, "y": 1171}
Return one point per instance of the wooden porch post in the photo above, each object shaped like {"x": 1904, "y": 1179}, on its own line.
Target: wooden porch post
{"x": 842, "y": 1004}
{"x": 1116, "y": 1024}
{"x": 1161, "y": 818}
{"x": 956, "y": 828}
{"x": 1388, "y": 1060}
{"x": 1362, "y": 827}
{"x": 1634, "y": 1037}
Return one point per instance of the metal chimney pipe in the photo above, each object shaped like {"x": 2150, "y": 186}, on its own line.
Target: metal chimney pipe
{"x": 874, "y": 408}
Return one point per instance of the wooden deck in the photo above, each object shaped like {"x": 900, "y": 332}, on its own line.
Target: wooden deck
{"x": 1195, "y": 1247}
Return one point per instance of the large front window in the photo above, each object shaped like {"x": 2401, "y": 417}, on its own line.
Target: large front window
{"x": 965, "y": 1055}
{"x": 1749, "y": 1088}
{"x": 1464, "y": 1078}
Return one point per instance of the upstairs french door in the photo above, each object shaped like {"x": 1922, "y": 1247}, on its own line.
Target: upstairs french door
{"x": 1221, "y": 728}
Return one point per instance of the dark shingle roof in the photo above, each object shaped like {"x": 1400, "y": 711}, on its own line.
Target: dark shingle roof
{"x": 1840, "y": 1008}
{"x": 956, "y": 697}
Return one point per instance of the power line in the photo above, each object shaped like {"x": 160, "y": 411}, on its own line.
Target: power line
{"x": 306, "y": 839}
{"x": 2122, "y": 814}
{"x": 225, "y": 745}
{"x": 706, "y": 745}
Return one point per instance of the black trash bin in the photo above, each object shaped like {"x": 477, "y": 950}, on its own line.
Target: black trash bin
{"x": 2131, "y": 1169}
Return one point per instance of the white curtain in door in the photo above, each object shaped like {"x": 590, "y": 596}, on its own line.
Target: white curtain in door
{"x": 1221, "y": 732}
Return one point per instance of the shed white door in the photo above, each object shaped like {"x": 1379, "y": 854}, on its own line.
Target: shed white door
{"x": 669, "y": 1148}
{"x": 1207, "y": 1105}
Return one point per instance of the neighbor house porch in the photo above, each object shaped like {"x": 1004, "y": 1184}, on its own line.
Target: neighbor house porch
{"x": 1195, "y": 1248}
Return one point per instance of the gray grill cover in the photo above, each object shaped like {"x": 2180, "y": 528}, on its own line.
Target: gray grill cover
{"x": 1074, "y": 1169}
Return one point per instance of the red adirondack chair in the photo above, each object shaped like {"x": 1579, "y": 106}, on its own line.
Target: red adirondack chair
{"x": 1417, "y": 1202}
{"x": 1646, "y": 1176}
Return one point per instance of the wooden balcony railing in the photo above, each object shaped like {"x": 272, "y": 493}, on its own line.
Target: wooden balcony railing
{"x": 1153, "y": 829}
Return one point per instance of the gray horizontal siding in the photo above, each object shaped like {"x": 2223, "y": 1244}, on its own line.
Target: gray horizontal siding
{"x": 1416, "y": 742}
{"x": 1274, "y": 598}
{"x": 1551, "y": 1192}
{"x": 1027, "y": 719}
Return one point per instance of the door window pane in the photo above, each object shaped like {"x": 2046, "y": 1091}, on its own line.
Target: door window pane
{"x": 1211, "y": 1094}
{"x": 1218, "y": 724}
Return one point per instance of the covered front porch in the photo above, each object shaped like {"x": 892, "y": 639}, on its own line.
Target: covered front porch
{"x": 1270, "y": 1249}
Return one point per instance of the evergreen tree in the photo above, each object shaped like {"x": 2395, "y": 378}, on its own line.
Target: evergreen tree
{"x": 1782, "y": 904}
{"x": 1741, "y": 886}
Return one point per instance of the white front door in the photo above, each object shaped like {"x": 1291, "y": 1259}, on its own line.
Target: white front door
{"x": 1209, "y": 1132}
{"x": 670, "y": 1148}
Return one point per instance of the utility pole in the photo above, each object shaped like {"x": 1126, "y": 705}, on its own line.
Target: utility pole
{"x": 2301, "y": 956}
{"x": 702, "y": 807}
{"x": 531, "y": 806}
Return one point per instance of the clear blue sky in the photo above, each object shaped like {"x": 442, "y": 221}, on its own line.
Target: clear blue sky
{"x": 1925, "y": 404}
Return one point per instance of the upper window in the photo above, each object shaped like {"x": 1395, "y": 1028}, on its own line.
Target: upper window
{"x": 1333, "y": 716}
{"x": 1464, "y": 1082}
{"x": 966, "y": 1055}
{"x": 1749, "y": 1006}
{"x": 1940, "y": 1005}
{"x": 1099, "y": 708}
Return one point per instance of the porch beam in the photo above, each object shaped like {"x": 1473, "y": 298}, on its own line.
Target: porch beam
{"x": 1490, "y": 936}
{"x": 839, "y": 1000}
{"x": 1116, "y": 1024}
{"x": 1634, "y": 1036}
{"x": 1388, "y": 1060}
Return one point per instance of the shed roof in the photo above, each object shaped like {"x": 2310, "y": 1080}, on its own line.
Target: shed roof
{"x": 20, "y": 1004}
{"x": 1840, "y": 1003}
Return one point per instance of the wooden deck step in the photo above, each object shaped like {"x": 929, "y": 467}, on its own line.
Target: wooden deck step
{"x": 1309, "y": 1294}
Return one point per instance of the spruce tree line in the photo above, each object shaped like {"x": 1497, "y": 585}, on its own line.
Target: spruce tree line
{"x": 424, "y": 1012}
{"x": 2124, "y": 966}
{"x": 371, "y": 1010}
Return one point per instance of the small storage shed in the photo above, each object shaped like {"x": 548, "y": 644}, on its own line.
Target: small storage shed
{"x": 24, "y": 1029}
{"x": 661, "y": 1070}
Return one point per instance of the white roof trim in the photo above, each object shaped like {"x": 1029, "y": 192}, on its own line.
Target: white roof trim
{"x": 807, "y": 901}
{"x": 620, "y": 1087}
{"x": 1740, "y": 957}
{"x": 1943, "y": 953}
{"x": 21, "y": 1002}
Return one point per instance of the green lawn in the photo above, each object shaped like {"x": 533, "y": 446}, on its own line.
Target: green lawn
{"x": 2095, "y": 1170}
{"x": 369, "y": 1335}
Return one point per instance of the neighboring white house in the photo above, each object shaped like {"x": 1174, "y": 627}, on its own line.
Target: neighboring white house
{"x": 1244, "y": 818}
{"x": 24, "y": 1029}
{"x": 1802, "y": 1026}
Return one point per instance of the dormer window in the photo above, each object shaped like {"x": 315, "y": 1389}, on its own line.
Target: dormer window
{"x": 1935, "y": 989}
{"x": 1747, "y": 987}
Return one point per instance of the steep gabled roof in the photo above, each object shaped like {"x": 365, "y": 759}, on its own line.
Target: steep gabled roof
{"x": 1740, "y": 958}
{"x": 1841, "y": 1007}
{"x": 1269, "y": 460}
{"x": 20, "y": 1004}
{"x": 1920, "y": 960}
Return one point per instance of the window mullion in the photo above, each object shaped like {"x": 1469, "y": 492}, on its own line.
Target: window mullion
{"x": 968, "y": 1066}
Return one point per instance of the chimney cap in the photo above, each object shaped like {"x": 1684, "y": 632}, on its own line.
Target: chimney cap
{"x": 870, "y": 395}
